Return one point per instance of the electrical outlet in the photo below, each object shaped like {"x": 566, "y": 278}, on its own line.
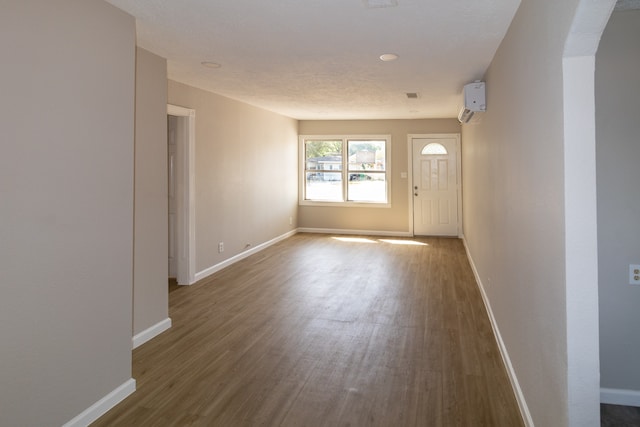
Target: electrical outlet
{"x": 220, "y": 247}
{"x": 290, "y": 220}
{"x": 634, "y": 274}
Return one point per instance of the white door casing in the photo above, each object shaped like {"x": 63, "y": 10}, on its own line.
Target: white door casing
{"x": 435, "y": 184}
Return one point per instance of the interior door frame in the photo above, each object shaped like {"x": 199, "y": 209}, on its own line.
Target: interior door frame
{"x": 185, "y": 195}
{"x": 410, "y": 139}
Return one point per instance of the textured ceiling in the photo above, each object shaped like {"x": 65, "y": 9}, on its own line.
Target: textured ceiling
{"x": 319, "y": 59}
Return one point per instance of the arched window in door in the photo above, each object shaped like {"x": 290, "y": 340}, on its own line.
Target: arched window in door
{"x": 434, "y": 148}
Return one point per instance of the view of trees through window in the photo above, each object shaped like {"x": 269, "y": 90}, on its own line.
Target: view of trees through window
{"x": 345, "y": 170}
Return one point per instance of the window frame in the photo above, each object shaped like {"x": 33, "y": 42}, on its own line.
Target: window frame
{"x": 345, "y": 138}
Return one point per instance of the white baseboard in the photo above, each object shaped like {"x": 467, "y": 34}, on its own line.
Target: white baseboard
{"x": 215, "y": 268}
{"x": 103, "y": 405}
{"x": 151, "y": 332}
{"x": 522, "y": 404}
{"x": 614, "y": 396}
{"x": 355, "y": 232}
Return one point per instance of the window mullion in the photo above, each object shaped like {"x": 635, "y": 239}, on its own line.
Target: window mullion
{"x": 345, "y": 169}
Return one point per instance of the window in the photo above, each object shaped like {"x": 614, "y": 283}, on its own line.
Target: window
{"x": 345, "y": 170}
{"x": 434, "y": 148}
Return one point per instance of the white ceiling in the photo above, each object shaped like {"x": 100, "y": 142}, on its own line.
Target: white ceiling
{"x": 319, "y": 59}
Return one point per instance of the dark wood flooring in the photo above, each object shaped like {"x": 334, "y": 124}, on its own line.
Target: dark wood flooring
{"x": 324, "y": 331}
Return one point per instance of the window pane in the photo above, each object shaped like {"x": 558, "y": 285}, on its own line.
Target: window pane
{"x": 323, "y": 155}
{"x": 434, "y": 148}
{"x": 325, "y": 186}
{"x": 367, "y": 155}
{"x": 367, "y": 187}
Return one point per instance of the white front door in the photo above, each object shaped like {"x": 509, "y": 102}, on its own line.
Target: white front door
{"x": 435, "y": 186}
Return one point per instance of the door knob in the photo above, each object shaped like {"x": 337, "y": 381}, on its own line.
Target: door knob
{"x": 415, "y": 194}
{"x": 415, "y": 188}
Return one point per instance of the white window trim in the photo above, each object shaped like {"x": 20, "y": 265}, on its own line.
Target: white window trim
{"x": 345, "y": 138}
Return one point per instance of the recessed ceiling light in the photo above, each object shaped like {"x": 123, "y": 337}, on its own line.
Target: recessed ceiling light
{"x": 210, "y": 64}
{"x": 388, "y": 57}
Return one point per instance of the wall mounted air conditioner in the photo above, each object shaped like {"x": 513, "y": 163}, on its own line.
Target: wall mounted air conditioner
{"x": 474, "y": 101}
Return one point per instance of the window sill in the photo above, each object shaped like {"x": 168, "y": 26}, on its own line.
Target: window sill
{"x": 344, "y": 204}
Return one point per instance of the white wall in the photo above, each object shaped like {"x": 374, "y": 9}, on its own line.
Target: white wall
{"x": 150, "y": 270}
{"x": 513, "y": 181}
{"x": 618, "y": 153}
{"x": 66, "y": 185}
{"x": 246, "y": 174}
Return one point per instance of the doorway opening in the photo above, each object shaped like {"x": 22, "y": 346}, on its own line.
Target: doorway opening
{"x": 181, "y": 192}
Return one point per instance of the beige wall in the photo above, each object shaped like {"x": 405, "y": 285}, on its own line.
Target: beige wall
{"x": 150, "y": 271}
{"x": 66, "y": 180}
{"x": 394, "y": 219}
{"x": 513, "y": 175}
{"x": 618, "y": 153}
{"x": 246, "y": 174}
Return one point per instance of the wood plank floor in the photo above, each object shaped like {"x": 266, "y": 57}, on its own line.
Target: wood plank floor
{"x": 323, "y": 331}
